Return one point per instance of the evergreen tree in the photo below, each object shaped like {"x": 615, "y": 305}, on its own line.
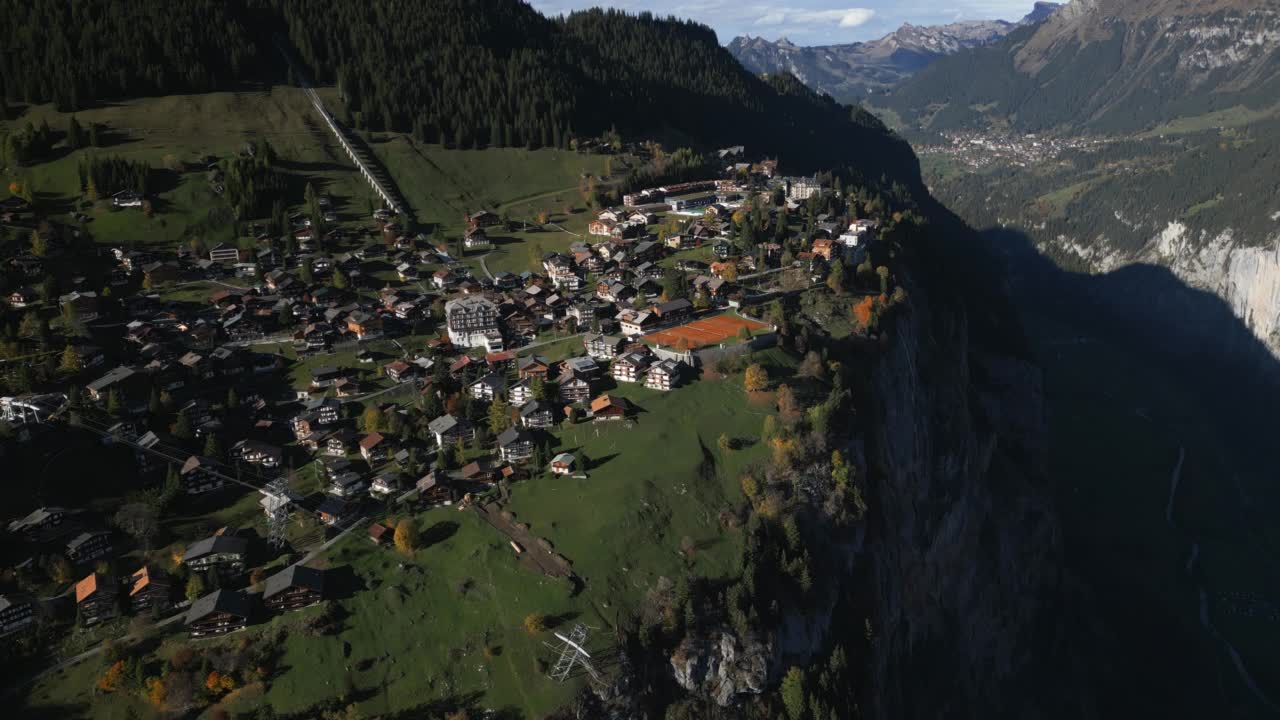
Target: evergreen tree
{"x": 75, "y": 134}
{"x": 115, "y": 404}
{"x": 182, "y": 428}
{"x": 213, "y": 447}
{"x": 70, "y": 361}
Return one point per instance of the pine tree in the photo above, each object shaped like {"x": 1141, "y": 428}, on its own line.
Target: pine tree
{"x": 75, "y": 134}
{"x": 115, "y": 404}
{"x": 70, "y": 361}
{"x": 182, "y": 428}
{"x": 213, "y": 447}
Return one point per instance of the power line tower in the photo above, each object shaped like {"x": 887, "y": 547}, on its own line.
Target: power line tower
{"x": 571, "y": 653}
{"x": 276, "y": 503}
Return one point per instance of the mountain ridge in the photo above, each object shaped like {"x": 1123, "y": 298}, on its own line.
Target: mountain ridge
{"x": 852, "y": 70}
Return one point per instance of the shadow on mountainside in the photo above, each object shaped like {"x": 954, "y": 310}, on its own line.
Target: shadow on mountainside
{"x": 1182, "y": 592}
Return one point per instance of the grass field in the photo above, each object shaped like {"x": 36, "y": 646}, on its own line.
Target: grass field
{"x": 444, "y": 185}
{"x": 185, "y": 128}
{"x": 1236, "y": 116}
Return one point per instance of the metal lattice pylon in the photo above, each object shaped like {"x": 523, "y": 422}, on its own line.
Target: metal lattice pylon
{"x": 276, "y": 505}
{"x": 571, "y": 653}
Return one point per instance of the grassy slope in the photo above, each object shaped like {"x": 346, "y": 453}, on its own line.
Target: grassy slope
{"x": 423, "y": 624}
{"x": 622, "y": 527}
{"x": 188, "y": 127}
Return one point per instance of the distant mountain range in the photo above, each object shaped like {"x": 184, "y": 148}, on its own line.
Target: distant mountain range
{"x": 1113, "y": 66}
{"x": 1180, "y": 100}
{"x": 851, "y": 71}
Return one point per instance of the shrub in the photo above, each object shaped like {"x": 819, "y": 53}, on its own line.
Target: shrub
{"x": 535, "y": 623}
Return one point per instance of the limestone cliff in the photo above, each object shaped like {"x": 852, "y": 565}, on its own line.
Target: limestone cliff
{"x": 965, "y": 543}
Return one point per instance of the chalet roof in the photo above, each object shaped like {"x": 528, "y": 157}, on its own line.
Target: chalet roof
{"x": 493, "y": 380}
{"x": 331, "y": 505}
{"x": 514, "y": 435}
{"x": 35, "y": 517}
{"x": 293, "y": 576}
{"x": 673, "y": 306}
{"x": 8, "y": 601}
{"x": 144, "y": 578}
{"x": 91, "y": 584}
{"x": 533, "y": 361}
{"x": 605, "y": 402}
{"x": 533, "y": 408}
{"x": 192, "y": 464}
{"x": 216, "y": 545}
{"x": 84, "y": 537}
{"x": 112, "y": 377}
{"x": 444, "y": 424}
{"x": 232, "y": 602}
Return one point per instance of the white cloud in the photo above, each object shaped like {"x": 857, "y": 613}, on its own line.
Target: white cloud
{"x": 840, "y": 17}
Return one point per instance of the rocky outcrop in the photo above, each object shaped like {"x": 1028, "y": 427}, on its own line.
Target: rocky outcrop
{"x": 720, "y": 666}
{"x": 1244, "y": 273}
{"x": 966, "y": 545}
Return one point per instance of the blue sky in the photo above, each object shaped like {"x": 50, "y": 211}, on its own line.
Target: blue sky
{"x": 809, "y": 22}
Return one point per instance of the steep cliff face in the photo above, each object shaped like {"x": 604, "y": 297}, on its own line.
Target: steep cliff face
{"x": 965, "y": 544}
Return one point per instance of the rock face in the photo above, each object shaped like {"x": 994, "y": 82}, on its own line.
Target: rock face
{"x": 720, "y": 666}
{"x": 966, "y": 547}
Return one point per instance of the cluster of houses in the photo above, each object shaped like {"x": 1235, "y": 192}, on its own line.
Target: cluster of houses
{"x": 608, "y": 288}
{"x": 149, "y": 590}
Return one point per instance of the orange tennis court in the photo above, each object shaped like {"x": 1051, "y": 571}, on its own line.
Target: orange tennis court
{"x": 707, "y": 331}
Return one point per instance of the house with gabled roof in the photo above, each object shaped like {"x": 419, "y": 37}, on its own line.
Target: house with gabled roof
{"x": 295, "y": 587}
{"x": 96, "y": 598}
{"x": 89, "y": 546}
{"x": 630, "y": 367}
{"x": 374, "y": 447}
{"x": 17, "y": 613}
{"x": 515, "y": 444}
{"x": 610, "y": 407}
{"x": 223, "y": 554}
{"x": 218, "y": 613}
{"x": 488, "y": 387}
{"x": 663, "y": 375}
{"x": 149, "y": 589}
{"x": 537, "y": 415}
{"x": 448, "y": 429}
{"x": 574, "y": 388}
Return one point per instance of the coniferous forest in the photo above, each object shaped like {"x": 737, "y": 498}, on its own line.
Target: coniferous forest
{"x": 464, "y": 73}
{"x": 75, "y": 53}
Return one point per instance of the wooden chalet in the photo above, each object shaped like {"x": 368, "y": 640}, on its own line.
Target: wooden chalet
{"x": 149, "y": 589}
{"x": 297, "y": 586}
{"x": 96, "y": 598}
{"x": 218, "y": 613}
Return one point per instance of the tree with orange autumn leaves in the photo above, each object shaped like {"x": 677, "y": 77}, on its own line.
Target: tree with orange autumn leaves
{"x": 110, "y": 680}
{"x": 217, "y": 683}
{"x": 866, "y": 312}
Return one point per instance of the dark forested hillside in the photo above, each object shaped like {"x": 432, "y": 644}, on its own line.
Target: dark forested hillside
{"x": 76, "y": 52}
{"x": 495, "y": 72}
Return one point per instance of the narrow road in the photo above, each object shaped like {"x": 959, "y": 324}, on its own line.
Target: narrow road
{"x": 485, "y": 266}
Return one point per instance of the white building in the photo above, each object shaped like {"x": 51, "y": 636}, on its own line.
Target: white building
{"x": 473, "y": 323}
